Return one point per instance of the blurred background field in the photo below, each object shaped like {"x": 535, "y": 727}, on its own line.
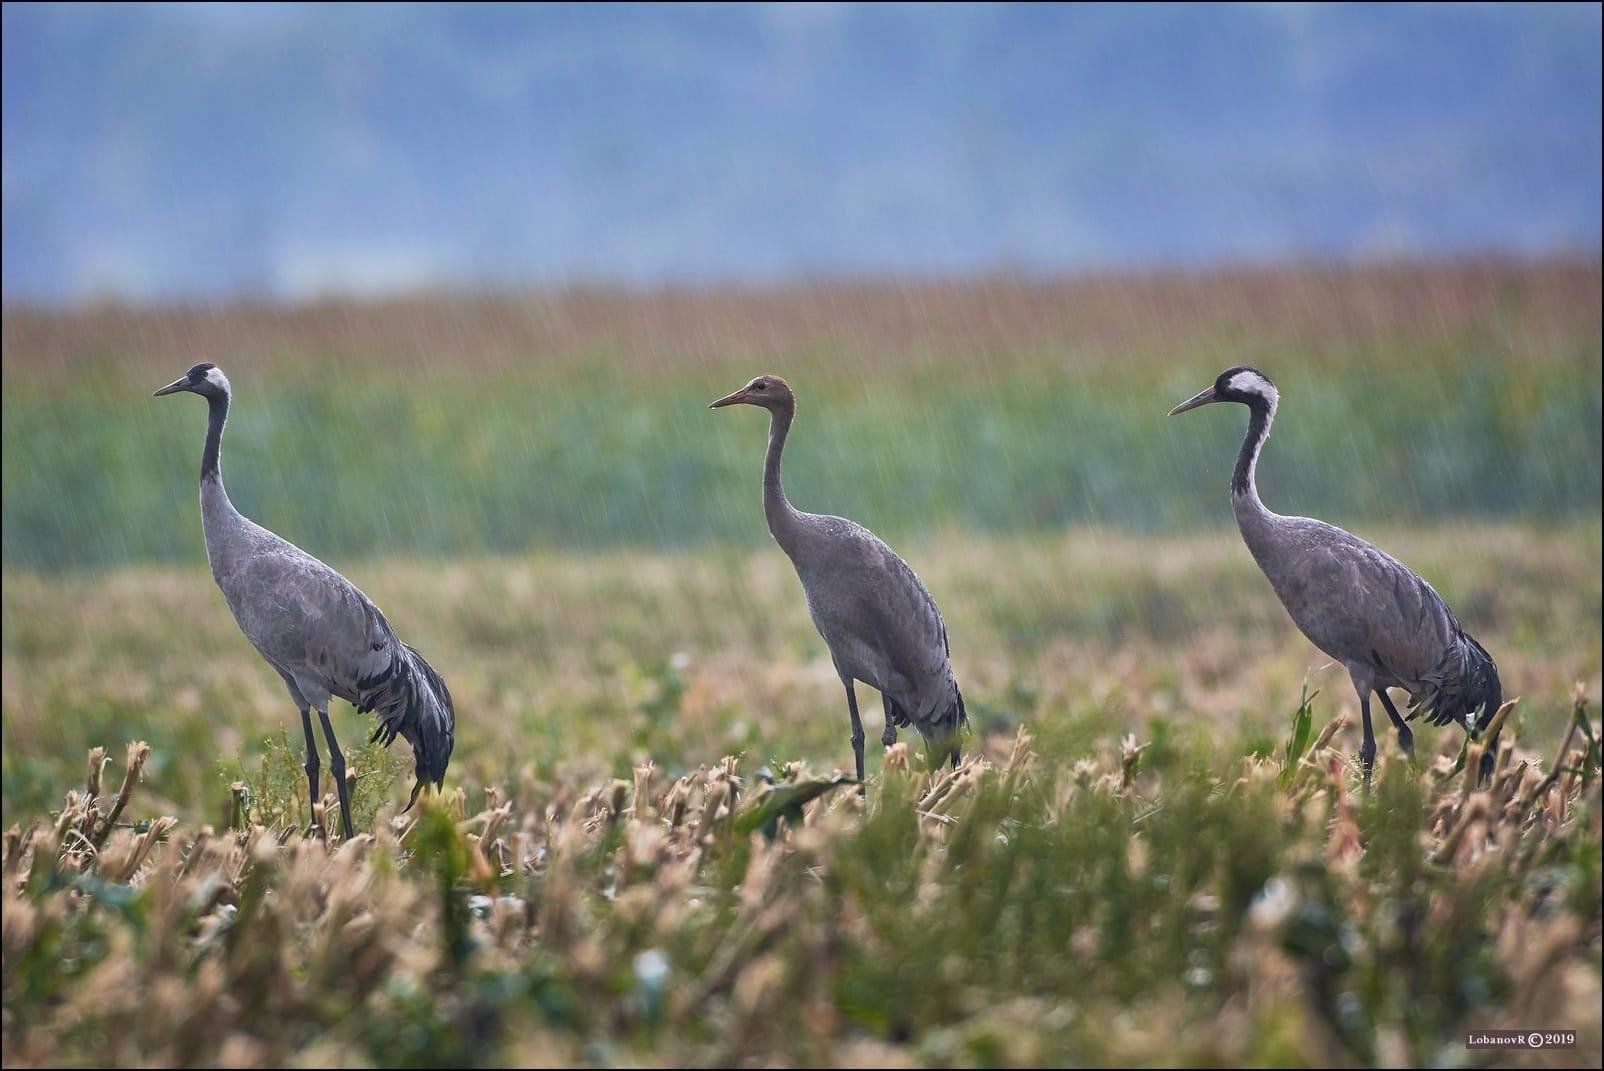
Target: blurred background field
{"x": 1417, "y": 393}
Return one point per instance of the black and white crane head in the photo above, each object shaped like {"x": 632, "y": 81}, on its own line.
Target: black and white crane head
{"x": 1242, "y": 384}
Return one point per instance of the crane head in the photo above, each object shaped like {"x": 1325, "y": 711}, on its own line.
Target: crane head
{"x": 204, "y": 379}
{"x": 1248, "y": 386}
{"x": 770, "y": 392}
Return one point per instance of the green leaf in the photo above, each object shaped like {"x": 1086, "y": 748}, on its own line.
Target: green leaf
{"x": 1302, "y": 731}
{"x": 784, "y": 800}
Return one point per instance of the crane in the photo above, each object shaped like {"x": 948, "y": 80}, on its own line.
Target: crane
{"x": 874, "y": 613}
{"x": 314, "y": 627}
{"x": 1358, "y": 604}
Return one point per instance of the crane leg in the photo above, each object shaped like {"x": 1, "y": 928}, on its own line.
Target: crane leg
{"x": 857, "y": 731}
{"x": 312, "y": 766}
{"x": 337, "y": 768}
{"x": 1406, "y": 738}
{"x": 1367, "y": 748}
{"x": 1489, "y": 759}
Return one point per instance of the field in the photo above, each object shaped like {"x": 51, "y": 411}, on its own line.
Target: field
{"x": 1158, "y": 853}
{"x": 1413, "y": 395}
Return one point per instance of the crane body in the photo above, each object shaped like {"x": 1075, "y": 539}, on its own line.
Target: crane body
{"x": 318, "y": 631}
{"x": 876, "y": 616}
{"x": 1361, "y": 606}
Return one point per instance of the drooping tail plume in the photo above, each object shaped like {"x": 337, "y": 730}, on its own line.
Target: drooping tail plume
{"x": 1464, "y": 687}
{"x": 413, "y": 702}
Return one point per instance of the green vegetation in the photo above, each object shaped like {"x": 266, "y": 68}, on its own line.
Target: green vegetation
{"x": 1445, "y": 401}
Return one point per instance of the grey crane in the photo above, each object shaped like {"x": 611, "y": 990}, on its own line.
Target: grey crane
{"x": 1356, "y": 603}
{"x": 321, "y": 634}
{"x": 875, "y": 614}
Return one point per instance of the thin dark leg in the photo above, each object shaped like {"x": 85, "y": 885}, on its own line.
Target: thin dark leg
{"x": 337, "y": 768}
{"x": 1406, "y": 739}
{"x": 888, "y": 735}
{"x": 857, "y": 731}
{"x": 954, "y": 756}
{"x": 312, "y": 766}
{"x": 1489, "y": 759}
{"x": 1367, "y": 749}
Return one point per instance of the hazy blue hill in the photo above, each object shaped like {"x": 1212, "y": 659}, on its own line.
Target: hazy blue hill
{"x": 292, "y": 149}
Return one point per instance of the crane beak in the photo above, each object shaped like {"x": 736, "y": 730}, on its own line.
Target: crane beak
{"x": 173, "y": 388}
{"x": 1203, "y": 397}
{"x": 730, "y": 399}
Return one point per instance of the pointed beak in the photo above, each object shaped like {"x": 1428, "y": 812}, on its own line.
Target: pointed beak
{"x": 730, "y": 399}
{"x": 173, "y": 388}
{"x": 1203, "y": 397}
{"x": 414, "y": 798}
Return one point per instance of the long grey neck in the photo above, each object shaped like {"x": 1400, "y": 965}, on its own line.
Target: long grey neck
{"x": 783, "y": 518}
{"x": 1245, "y": 501}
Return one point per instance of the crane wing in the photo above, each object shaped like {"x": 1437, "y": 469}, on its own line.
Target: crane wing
{"x": 1359, "y": 603}
{"x": 317, "y": 627}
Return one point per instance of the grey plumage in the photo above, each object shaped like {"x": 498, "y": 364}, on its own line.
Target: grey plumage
{"x": 1355, "y": 602}
{"x": 321, "y": 634}
{"x": 874, "y": 613}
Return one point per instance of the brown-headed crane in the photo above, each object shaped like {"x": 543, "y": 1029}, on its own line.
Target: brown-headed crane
{"x": 875, "y": 614}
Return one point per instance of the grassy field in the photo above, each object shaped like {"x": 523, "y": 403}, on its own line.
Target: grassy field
{"x": 1038, "y": 907}
{"x": 1159, "y": 851}
{"x": 1141, "y": 876}
{"x": 458, "y": 427}
{"x": 603, "y": 661}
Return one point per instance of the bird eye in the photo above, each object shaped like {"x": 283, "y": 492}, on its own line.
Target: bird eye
{"x": 760, "y": 386}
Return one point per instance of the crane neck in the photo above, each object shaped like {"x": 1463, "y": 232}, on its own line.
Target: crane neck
{"x": 221, "y": 524}
{"x": 216, "y": 509}
{"x": 777, "y": 509}
{"x": 1244, "y": 481}
{"x": 217, "y": 405}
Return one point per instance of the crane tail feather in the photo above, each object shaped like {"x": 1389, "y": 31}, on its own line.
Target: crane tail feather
{"x": 413, "y": 702}
{"x": 1463, "y": 687}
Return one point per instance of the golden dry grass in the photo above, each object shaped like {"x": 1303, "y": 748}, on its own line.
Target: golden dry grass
{"x": 1023, "y": 910}
{"x": 1537, "y": 307}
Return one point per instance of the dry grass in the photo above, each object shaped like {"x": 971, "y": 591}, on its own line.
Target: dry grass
{"x": 1023, "y": 910}
{"x": 1144, "y": 876}
{"x": 1535, "y": 308}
